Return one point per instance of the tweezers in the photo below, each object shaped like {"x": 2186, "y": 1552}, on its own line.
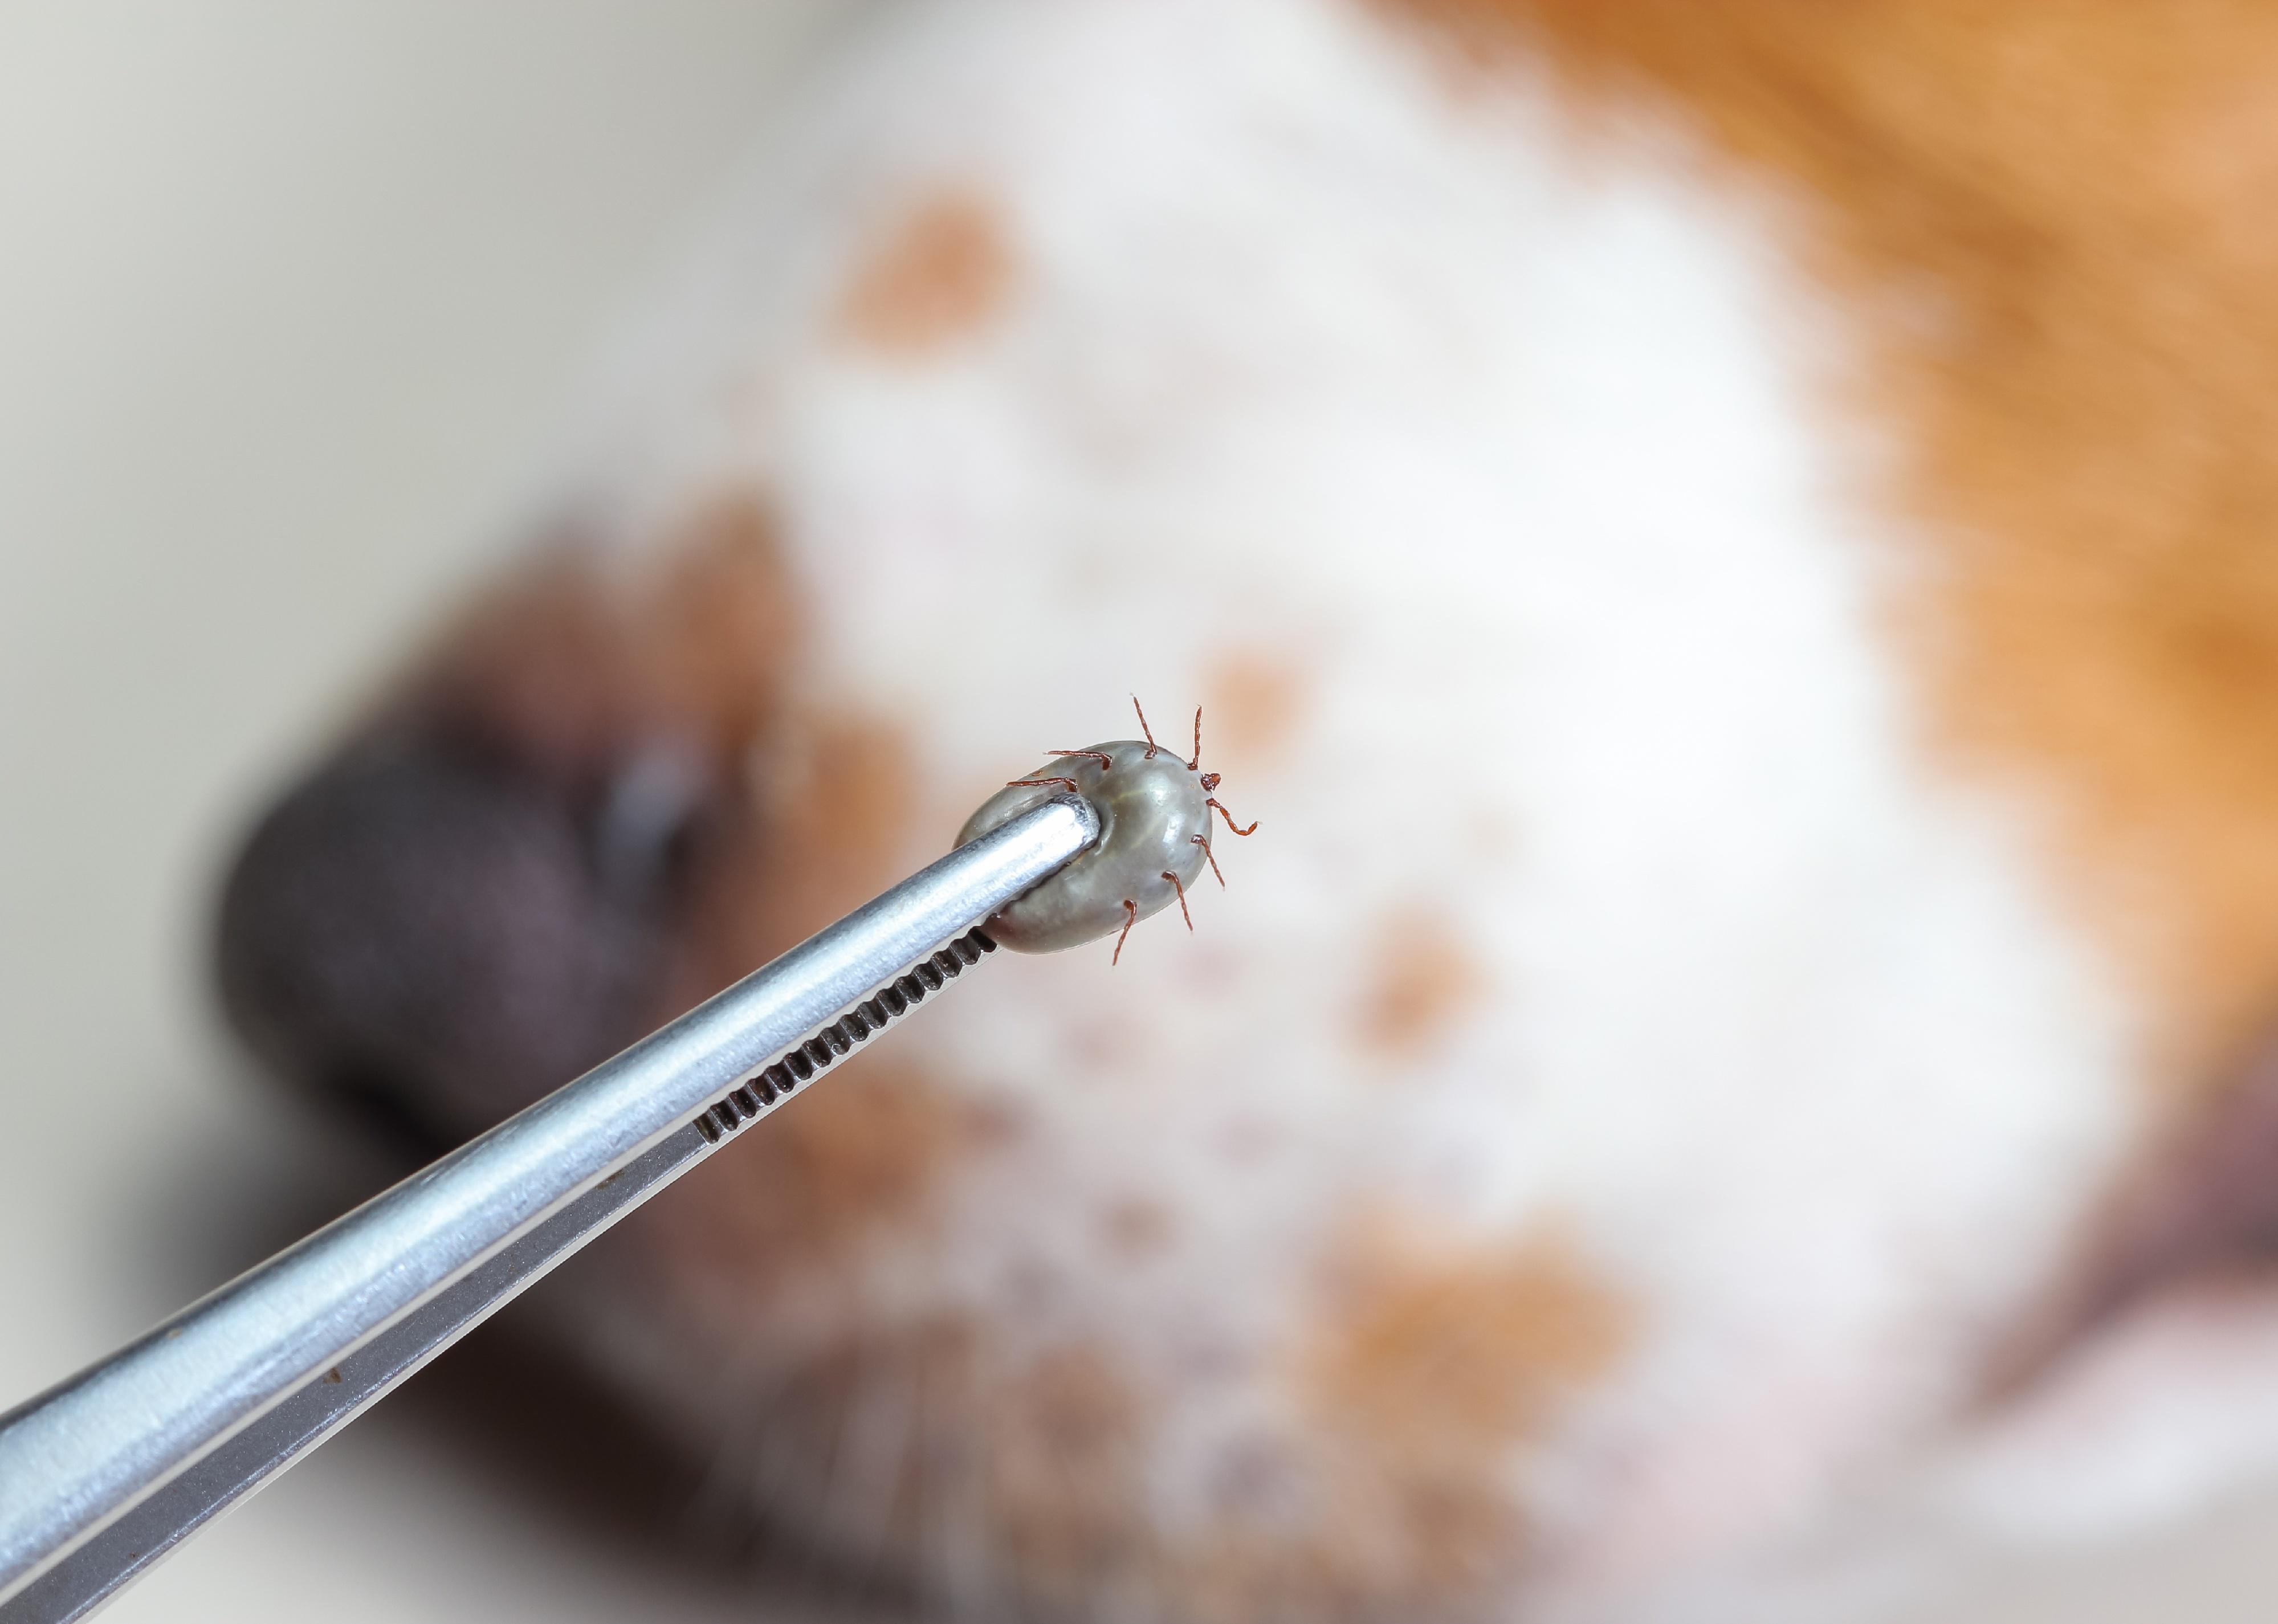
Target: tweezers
{"x": 106, "y": 1473}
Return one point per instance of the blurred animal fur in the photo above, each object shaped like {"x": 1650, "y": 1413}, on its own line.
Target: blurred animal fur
{"x": 1731, "y": 547}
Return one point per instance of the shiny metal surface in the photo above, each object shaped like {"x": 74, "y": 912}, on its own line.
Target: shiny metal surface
{"x": 102, "y": 1474}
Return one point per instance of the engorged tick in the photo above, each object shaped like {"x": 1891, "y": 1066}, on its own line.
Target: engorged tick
{"x": 1154, "y": 838}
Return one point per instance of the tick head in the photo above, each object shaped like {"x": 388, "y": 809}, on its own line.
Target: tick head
{"x": 1210, "y": 782}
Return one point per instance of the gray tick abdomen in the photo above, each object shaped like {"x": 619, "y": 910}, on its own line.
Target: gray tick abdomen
{"x": 1150, "y": 812}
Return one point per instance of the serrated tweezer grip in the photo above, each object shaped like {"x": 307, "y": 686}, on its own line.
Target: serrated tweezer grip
{"x": 105, "y": 1473}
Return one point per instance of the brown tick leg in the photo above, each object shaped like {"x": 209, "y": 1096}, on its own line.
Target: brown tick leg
{"x": 1074, "y": 788}
{"x": 1228, "y": 816}
{"x": 1205, "y": 844}
{"x": 1101, "y": 757}
{"x": 1182, "y": 890}
{"x": 1151, "y": 746}
{"x": 1130, "y": 918}
{"x": 1197, "y": 761}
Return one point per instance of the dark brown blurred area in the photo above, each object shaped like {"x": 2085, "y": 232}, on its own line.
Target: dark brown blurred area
{"x": 508, "y": 873}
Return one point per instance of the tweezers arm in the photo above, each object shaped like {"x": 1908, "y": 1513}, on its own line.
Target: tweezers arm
{"x": 200, "y": 1411}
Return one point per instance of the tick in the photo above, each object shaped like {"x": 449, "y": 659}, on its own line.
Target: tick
{"x": 1154, "y": 838}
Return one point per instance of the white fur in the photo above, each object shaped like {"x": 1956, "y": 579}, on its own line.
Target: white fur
{"x": 1530, "y": 460}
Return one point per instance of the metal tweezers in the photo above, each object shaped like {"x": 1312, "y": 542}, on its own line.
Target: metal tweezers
{"x": 103, "y": 1475}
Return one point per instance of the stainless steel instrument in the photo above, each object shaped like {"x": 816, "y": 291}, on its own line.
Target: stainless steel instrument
{"x": 105, "y": 1474}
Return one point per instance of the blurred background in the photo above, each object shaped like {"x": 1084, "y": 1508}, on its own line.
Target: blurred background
{"x": 289, "y": 297}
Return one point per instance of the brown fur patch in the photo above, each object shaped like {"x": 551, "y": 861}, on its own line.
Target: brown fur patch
{"x": 1023, "y": 1477}
{"x": 1435, "y": 1360}
{"x": 2054, "y": 222}
{"x": 829, "y": 809}
{"x": 566, "y": 669}
{"x": 1137, "y": 1228}
{"x": 1064, "y": 1477}
{"x": 1255, "y": 701}
{"x": 858, "y": 1159}
{"x": 943, "y": 271}
{"x": 574, "y": 668}
{"x": 866, "y": 1448}
{"x": 721, "y": 634}
{"x": 1008, "y": 1479}
{"x": 1439, "y": 1354}
{"x": 1423, "y": 978}
{"x": 828, "y": 814}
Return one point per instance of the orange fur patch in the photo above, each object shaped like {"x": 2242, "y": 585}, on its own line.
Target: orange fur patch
{"x": 943, "y": 271}
{"x": 2053, "y": 224}
{"x": 1424, "y": 978}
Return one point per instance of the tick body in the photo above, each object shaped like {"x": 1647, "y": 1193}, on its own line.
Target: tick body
{"x": 1154, "y": 841}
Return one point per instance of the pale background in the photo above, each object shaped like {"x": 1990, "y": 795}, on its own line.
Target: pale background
{"x": 289, "y": 297}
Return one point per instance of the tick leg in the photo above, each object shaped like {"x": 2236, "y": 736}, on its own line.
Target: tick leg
{"x": 1197, "y": 761}
{"x": 1182, "y": 890}
{"x": 1205, "y": 844}
{"x": 1228, "y": 816}
{"x": 1151, "y": 746}
{"x": 1130, "y": 918}
{"x": 1074, "y": 788}
{"x": 1101, "y": 757}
